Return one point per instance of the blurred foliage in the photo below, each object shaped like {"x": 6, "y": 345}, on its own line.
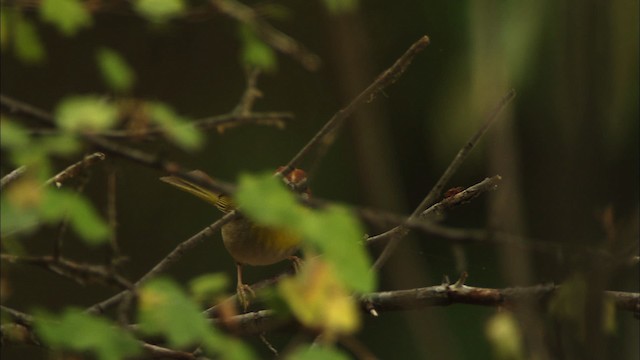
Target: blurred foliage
{"x": 333, "y": 232}
{"x": 166, "y": 310}
{"x": 503, "y": 331}
{"x": 207, "y": 288}
{"x": 26, "y": 204}
{"x": 86, "y": 113}
{"x": 75, "y": 330}
{"x": 24, "y": 38}
{"x": 175, "y": 127}
{"x": 575, "y": 121}
{"x": 341, "y": 6}
{"x": 115, "y": 70}
{"x": 69, "y": 16}
{"x": 317, "y": 353}
{"x": 320, "y": 301}
{"x": 160, "y": 11}
{"x": 255, "y": 52}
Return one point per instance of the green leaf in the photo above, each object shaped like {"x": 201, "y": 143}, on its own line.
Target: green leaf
{"x": 337, "y": 7}
{"x": 63, "y": 144}
{"x": 164, "y": 309}
{"x": 68, "y": 16}
{"x": 83, "y": 218}
{"x": 160, "y": 11}
{"x": 333, "y": 231}
{"x": 314, "y": 352}
{"x": 208, "y": 286}
{"x": 267, "y": 201}
{"x": 15, "y": 218}
{"x": 179, "y": 130}
{"x": 255, "y": 52}
{"x": 13, "y": 136}
{"x": 116, "y": 72}
{"x": 27, "y": 42}
{"x": 339, "y": 236}
{"x": 78, "y": 331}
{"x": 85, "y": 113}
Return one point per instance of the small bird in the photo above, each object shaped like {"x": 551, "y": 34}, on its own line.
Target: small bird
{"x": 247, "y": 242}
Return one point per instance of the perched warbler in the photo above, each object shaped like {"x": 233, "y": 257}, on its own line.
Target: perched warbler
{"x": 247, "y": 242}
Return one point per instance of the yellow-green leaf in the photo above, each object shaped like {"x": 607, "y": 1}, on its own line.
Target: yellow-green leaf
{"x": 337, "y": 7}
{"x": 266, "y": 200}
{"x": 27, "y": 43}
{"x": 78, "y": 331}
{"x": 504, "y": 334}
{"x": 315, "y": 352}
{"x": 86, "y": 113}
{"x": 83, "y": 218}
{"x": 164, "y": 309}
{"x": 206, "y": 287}
{"x": 160, "y": 11}
{"x": 69, "y": 16}
{"x": 13, "y": 135}
{"x": 333, "y": 231}
{"x": 319, "y": 300}
{"x": 176, "y": 128}
{"x": 115, "y": 71}
{"x": 254, "y": 51}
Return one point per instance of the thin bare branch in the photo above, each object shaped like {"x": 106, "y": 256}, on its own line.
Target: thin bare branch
{"x": 441, "y": 295}
{"x": 75, "y": 169}
{"x": 12, "y": 176}
{"x": 445, "y": 294}
{"x": 80, "y": 273}
{"x": 159, "y": 352}
{"x": 17, "y": 316}
{"x": 464, "y": 196}
{"x": 251, "y": 93}
{"x": 326, "y": 135}
{"x": 275, "y": 38}
{"x": 166, "y": 262}
{"x": 112, "y": 217}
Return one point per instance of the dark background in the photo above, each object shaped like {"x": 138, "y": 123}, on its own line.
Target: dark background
{"x": 567, "y": 147}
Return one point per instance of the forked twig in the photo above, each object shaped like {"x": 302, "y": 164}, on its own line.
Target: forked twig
{"x": 396, "y": 234}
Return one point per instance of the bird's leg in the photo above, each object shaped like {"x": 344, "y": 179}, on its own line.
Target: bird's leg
{"x": 242, "y": 289}
{"x": 296, "y": 262}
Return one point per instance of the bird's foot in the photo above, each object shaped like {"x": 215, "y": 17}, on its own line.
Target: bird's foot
{"x": 297, "y": 263}
{"x": 243, "y": 290}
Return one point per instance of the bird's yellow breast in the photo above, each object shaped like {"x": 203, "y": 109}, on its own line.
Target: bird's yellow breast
{"x": 252, "y": 244}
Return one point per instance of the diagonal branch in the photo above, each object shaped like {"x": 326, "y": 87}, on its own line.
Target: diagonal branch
{"x": 75, "y": 169}
{"x": 165, "y": 263}
{"x": 272, "y": 36}
{"x": 12, "y": 176}
{"x": 327, "y": 134}
{"x": 80, "y": 273}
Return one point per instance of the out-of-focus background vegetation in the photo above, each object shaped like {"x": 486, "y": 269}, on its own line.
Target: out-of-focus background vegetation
{"x": 567, "y": 147}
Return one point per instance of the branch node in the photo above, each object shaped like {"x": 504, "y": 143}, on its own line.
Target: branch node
{"x": 461, "y": 280}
